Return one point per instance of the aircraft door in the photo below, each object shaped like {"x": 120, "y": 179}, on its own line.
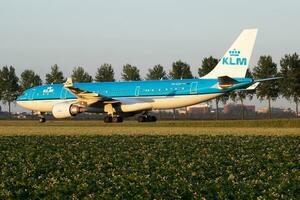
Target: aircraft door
{"x": 194, "y": 88}
{"x": 137, "y": 91}
{"x": 63, "y": 93}
{"x": 31, "y": 94}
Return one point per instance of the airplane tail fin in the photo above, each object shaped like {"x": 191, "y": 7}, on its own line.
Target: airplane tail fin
{"x": 235, "y": 62}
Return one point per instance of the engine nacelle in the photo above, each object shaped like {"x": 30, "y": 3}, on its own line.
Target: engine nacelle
{"x": 65, "y": 110}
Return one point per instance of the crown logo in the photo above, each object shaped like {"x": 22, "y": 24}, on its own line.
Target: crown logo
{"x": 234, "y": 52}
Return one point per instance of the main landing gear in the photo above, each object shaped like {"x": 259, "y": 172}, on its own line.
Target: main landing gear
{"x": 113, "y": 119}
{"x": 42, "y": 118}
{"x": 147, "y": 118}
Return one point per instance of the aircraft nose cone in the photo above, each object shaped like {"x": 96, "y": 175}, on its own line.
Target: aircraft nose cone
{"x": 18, "y": 103}
{"x": 18, "y": 100}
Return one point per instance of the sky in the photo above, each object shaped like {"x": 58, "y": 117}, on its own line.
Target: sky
{"x": 36, "y": 34}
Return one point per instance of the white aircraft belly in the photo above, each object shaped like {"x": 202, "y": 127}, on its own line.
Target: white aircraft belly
{"x": 130, "y": 104}
{"x": 181, "y": 101}
{"x": 162, "y": 102}
{"x": 41, "y": 105}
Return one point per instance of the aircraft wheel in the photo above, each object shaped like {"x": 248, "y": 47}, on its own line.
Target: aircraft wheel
{"x": 152, "y": 119}
{"x": 141, "y": 118}
{"x": 120, "y": 119}
{"x": 108, "y": 119}
{"x": 117, "y": 119}
{"x": 42, "y": 120}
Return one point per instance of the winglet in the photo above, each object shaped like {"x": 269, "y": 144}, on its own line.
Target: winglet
{"x": 68, "y": 83}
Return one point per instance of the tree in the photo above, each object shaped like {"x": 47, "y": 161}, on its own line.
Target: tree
{"x": 130, "y": 73}
{"x": 105, "y": 73}
{"x": 208, "y": 64}
{"x": 80, "y": 76}
{"x": 55, "y": 76}
{"x": 290, "y": 82}
{"x": 266, "y": 68}
{"x": 9, "y": 87}
{"x": 157, "y": 73}
{"x": 180, "y": 70}
{"x": 241, "y": 95}
{"x": 29, "y": 79}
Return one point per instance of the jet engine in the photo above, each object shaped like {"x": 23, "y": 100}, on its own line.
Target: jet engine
{"x": 64, "y": 110}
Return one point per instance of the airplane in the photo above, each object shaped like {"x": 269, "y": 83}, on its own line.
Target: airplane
{"x": 124, "y": 99}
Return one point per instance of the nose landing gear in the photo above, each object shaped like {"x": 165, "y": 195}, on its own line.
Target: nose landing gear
{"x": 42, "y": 118}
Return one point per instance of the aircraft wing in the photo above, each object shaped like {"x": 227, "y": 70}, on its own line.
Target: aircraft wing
{"x": 256, "y": 82}
{"x": 86, "y": 96}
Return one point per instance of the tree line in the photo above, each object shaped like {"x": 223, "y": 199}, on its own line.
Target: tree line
{"x": 288, "y": 87}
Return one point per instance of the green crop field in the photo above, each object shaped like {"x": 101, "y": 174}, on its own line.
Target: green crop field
{"x": 164, "y": 160}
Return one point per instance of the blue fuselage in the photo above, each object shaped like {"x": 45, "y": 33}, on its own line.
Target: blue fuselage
{"x": 133, "y": 89}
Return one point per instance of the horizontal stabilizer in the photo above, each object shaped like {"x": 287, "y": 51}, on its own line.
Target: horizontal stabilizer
{"x": 267, "y": 79}
{"x": 226, "y": 82}
{"x": 253, "y": 86}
